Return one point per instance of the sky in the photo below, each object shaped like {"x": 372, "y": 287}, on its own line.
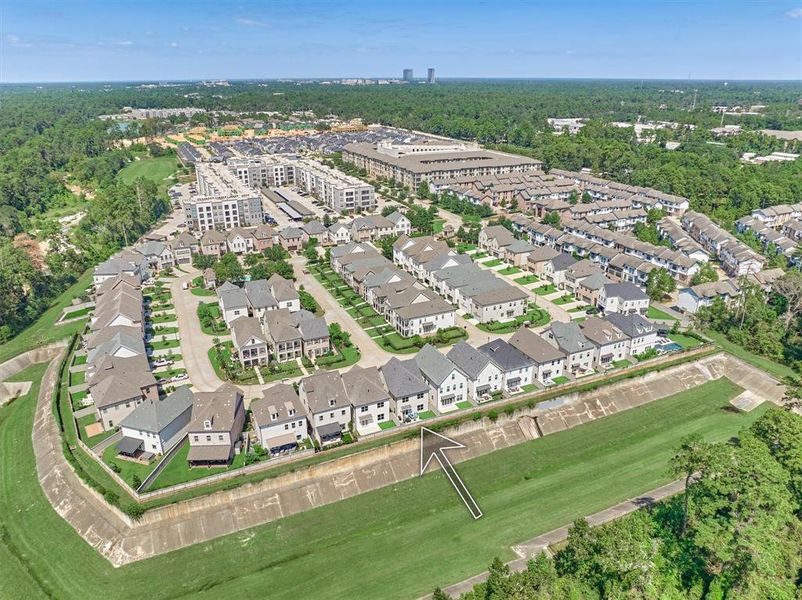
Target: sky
{"x": 115, "y": 40}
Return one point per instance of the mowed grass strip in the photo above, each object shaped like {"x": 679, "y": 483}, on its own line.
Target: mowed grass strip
{"x": 524, "y": 491}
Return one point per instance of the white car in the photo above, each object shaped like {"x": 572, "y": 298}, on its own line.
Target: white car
{"x": 162, "y": 362}
{"x": 181, "y": 377}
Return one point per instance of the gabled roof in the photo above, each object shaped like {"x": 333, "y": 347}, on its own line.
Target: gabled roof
{"x": 364, "y": 386}
{"x": 505, "y": 356}
{"x": 278, "y": 404}
{"x": 601, "y": 332}
{"x": 324, "y": 391}
{"x": 232, "y": 296}
{"x": 259, "y": 294}
{"x": 535, "y": 347}
{"x": 153, "y": 416}
{"x": 632, "y": 325}
{"x": 244, "y": 329}
{"x": 434, "y": 365}
{"x": 403, "y": 378}
{"x": 283, "y": 290}
{"x": 625, "y": 290}
{"x": 395, "y": 217}
{"x": 569, "y": 337}
{"x": 220, "y": 407}
{"x": 468, "y": 359}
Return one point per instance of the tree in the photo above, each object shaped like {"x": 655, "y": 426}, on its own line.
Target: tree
{"x": 706, "y": 274}
{"x": 386, "y": 246}
{"x": 659, "y": 284}
{"x": 439, "y": 594}
{"x": 789, "y": 286}
{"x": 202, "y": 261}
{"x": 339, "y": 338}
{"x": 552, "y": 218}
{"x": 688, "y": 459}
{"x": 135, "y": 481}
{"x": 423, "y": 191}
{"x": 228, "y": 268}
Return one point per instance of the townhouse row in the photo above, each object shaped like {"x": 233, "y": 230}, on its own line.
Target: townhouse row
{"x": 737, "y": 259}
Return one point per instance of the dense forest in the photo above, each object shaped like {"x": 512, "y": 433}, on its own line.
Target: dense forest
{"x": 53, "y": 149}
{"x": 735, "y": 533}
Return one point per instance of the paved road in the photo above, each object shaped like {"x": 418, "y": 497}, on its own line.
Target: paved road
{"x": 541, "y": 543}
{"x": 372, "y": 354}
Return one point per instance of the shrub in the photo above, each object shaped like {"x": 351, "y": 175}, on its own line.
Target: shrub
{"x": 133, "y": 510}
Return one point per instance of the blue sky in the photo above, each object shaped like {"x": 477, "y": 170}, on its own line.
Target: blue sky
{"x": 90, "y": 40}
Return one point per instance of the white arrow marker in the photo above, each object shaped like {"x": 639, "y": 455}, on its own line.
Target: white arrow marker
{"x": 432, "y": 445}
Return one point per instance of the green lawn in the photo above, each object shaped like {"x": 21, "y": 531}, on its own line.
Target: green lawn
{"x": 563, "y": 300}
{"x": 386, "y": 425}
{"x": 560, "y": 379}
{"x": 545, "y": 290}
{"x": 79, "y": 360}
{"x": 510, "y": 271}
{"x": 526, "y": 279}
{"x": 535, "y": 316}
{"x": 198, "y": 291}
{"x": 81, "y": 312}
{"x": 529, "y": 387}
{"x": 128, "y": 468}
{"x": 686, "y": 341}
{"x": 464, "y": 405}
{"x": 493, "y": 263}
{"x": 463, "y": 247}
{"x": 78, "y": 378}
{"x": 426, "y": 414}
{"x": 96, "y": 439}
{"x": 156, "y": 169}
{"x": 178, "y": 471}
{"x": 279, "y": 371}
{"x": 779, "y": 371}
{"x": 524, "y": 491}
{"x": 164, "y": 345}
{"x": 344, "y": 358}
{"x": 621, "y": 364}
{"x": 437, "y": 225}
{"x": 656, "y": 313}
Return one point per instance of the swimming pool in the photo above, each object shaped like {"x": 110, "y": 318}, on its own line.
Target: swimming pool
{"x": 672, "y": 347}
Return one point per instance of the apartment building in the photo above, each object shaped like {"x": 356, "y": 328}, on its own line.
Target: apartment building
{"x": 223, "y": 201}
{"x": 340, "y": 192}
{"x": 411, "y": 164}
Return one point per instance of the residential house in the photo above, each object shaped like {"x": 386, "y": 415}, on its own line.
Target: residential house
{"x": 483, "y": 374}
{"x": 233, "y": 302}
{"x": 407, "y": 387}
{"x": 589, "y": 288}
{"x": 292, "y": 335}
{"x": 555, "y": 269}
{"x": 284, "y": 292}
{"x": 250, "y": 343}
{"x": 158, "y": 254}
{"x": 517, "y": 253}
{"x": 580, "y": 352}
{"x": 218, "y": 419}
{"x": 494, "y": 239}
{"x": 240, "y": 241}
{"x": 641, "y": 332}
{"x": 327, "y": 404}
{"x": 691, "y": 299}
{"x": 118, "y": 385}
{"x": 370, "y": 228}
{"x": 516, "y": 368}
{"x": 122, "y": 307}
{"x": 401, "y": 224}
{"x": 612, "y": 344}
{"x": 263, "y": 236}
{"x": 549, "y": 361}
{"x": 624, "y": 297}
{"x": 447, "y": 383}
{"x": 213, "y": 243}
{"x": 538, "y": 259}
{"x": 292, "y": 239}
{"x": 369, "y": 397}
{"x": 127, "y": 262}
{"x": 279, "y": 419}
{"x": 260, "y": 298}
{"x": 209, "y": 279}
{"x": 184, "y": 246}
{"x": 316, "y": 231}
{"x": 339, "y": 233}
{"x": 418, "y": 312}
{"x": 156, "y": 425}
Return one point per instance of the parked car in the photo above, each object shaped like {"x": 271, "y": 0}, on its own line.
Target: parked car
{"x": 180, "y": 377}
{"x": 162, "y": 362}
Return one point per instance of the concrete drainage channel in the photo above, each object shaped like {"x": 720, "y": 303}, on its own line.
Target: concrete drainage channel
{"x": 168, "y": 528}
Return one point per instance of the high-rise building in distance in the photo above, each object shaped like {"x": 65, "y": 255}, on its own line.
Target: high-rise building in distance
{"x": 407, "y": 74}
{"x": 430, "y": 75}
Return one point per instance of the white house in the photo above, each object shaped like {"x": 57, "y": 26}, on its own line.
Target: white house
{"x": 641, "y": 332}
{"x": 579, "y": 351}
{"x": 339, "y": 233}
{"x": 249, "y": 341}
{"x": 279, "y": 419}
{"x": 691, "y": 299}
{"x": 402, "y": 225}
{"x": 612, "y": 345}
{"x": 516, "y": 368}
{"x": 407, "y": 387}
{"x": 233, "y": 302}
{"x": 327, "y": 405}
{"x": 625, "y": 298}
{"x": 369, "y": 397}
{"x": 448, "y": 385}
{"x": 484, "y": 375}
{"x": 549, "y": 361}
{"x": 156, "y": 425}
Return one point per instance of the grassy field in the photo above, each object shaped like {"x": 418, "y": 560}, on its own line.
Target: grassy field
{"x": 155, "y": 169}
{"x": 656, "y": 313}
{"x": 523, "y": 491}
{"x": 776, "y": 369}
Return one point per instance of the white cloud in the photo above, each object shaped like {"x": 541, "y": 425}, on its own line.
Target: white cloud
{"x": 250, "y": 22}
{"x": 794, "y": 13}
{"x": 173, "y": 44}
{"x": 124, "y": 43}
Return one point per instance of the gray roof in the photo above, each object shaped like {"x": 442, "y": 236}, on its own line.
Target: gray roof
{"x": 154, "y": 415}
{"x": 633, "y": 325}
{"x": 152, "y": 248}
{"x": 259, "y": 294}
{"x": 434, "y": 365}
{"x": 535, "y": 347}
{"x": 395, "y": 217}
{"x": 232, "y": 296}
{"x": 245, "y": 328}
{"x": 519, "y": 247}
{"x": 324, "y": 391}
{"x": 279, "y": 403}
{"x": 594, "y": 282}
{"x": 403, "y": 378}
{"x": 283, "y": 289}
{"x": 601, "y": 332}
{"x": 625, "y": 290}
{"x": 543, "y": 253}
{"x": 314, "y": 227}
{"x": 220, "y": 407}
{"x": 468, "y": 359}
{"x": 562, "y": 261}
{"x": 569, "y": 337}
{"x": 364, "y": 386}
{"x": 506, "y": 356}
{"x": 312, "y": 328}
